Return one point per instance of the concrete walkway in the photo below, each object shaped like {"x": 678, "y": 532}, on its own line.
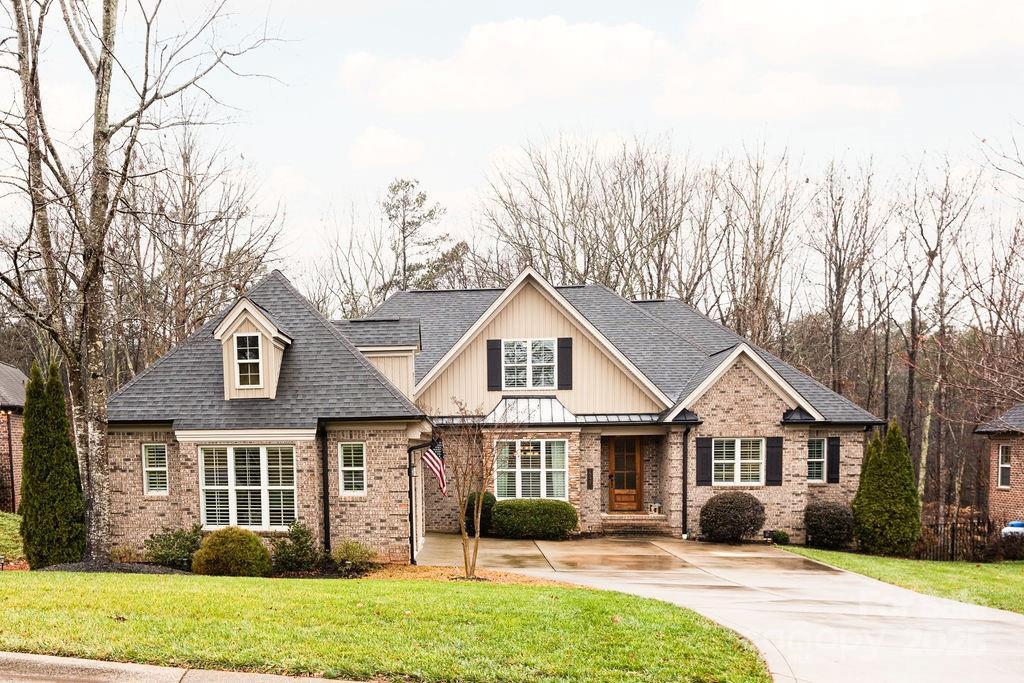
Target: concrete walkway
{"x": 15, "y": 666}
{"x": 812, "y": 623}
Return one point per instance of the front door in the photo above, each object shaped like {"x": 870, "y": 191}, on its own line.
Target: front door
{"x": 625, "y": 482}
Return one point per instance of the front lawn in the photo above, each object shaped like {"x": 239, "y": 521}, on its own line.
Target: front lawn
{"x": 999, "y": 585}
{"x": 10, "y": 537}
{"x": 365, "y": 628}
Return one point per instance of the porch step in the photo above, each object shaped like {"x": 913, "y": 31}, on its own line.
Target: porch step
{"x": 627, "y": 523}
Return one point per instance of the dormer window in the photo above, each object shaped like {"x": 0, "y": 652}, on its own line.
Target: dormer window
{"x": 248, "y": 361}
{"x": 528, "y": 363}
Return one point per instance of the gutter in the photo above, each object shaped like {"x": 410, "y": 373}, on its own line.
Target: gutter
{"x": 686, "y": 473}
{"x": 10, "y": 462}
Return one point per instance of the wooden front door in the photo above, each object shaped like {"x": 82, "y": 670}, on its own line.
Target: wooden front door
{"x": 625, "y": 490}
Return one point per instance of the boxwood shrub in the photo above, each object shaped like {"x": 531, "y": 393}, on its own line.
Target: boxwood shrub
{"x": 485, "y": 513}
{"x": 232, "y": 551}
{"x": 549, "y": 520}
{"x": 829, "y": 525}
{"x": 174, "y": 547}
{"x": 729, "y": 517}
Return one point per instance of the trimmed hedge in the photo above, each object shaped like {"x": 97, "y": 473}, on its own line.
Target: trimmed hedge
{"x": 174, "y": 548}
{"x": 829, "y": 525}
{"x": 486, "y": 513}
{"x": 887, "y": 517}
{"x": 729, "y": 517}
{"x": 232, "y": 551}
{"x": 548, "y": 520}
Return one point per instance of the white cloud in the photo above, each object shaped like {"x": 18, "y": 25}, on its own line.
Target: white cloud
{"x": 902, "y": 34}
{"x": 504, "y": 64}
{"x": 383, "y": 148}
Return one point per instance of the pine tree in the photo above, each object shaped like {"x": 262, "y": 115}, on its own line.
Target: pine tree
{"x": 886, "y": 511}
{"x": 52, "y": 507}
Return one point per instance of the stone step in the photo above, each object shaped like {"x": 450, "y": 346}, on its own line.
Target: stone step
{"x": 634, "y": 523}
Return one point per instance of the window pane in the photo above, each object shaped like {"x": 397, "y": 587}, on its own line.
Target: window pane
{"x": 543, "y": 351}
{"x": 247, "y": 347}
{"x": 248, "y": 374}
{"x": 249, "y": 507}
{"x": 215, "y": 466}
{"x": 156, "y": 481}
{"x": 506, "y": 485}
{"x": 156, "y": 455}
{"x": 216, "y": 507}
{"x": 555, "y": 485}
{"x": 543, "y": 376}
{"x": 515, "y": 352}
{"x": 280, "y": 467}
{"x": 529, "y": 455}
{"x": 353, "y": 455}
{"x": 724, "y": 449}
{"x": 750, "y": 472}
{"x": 353, "y": 481}
{"x": 750, "y": 449}
{"x": 620, "y": 480}
{"x": 816, "y": 449}
{"x": 247, "y": 467}
{"x": 506, "y": 455}
{"x": 282, "y": 508}
{"x": 530, "y": 484}
{"x": 554, "y": 455}
{"x": 515, "y": 376}
{"x": 724, "y": 471}
{"x": 1004, "y": 476}
{"x": 815, "y": 470}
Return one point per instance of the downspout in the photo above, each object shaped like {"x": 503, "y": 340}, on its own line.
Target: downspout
{"x": 412, "y": 514}
{"x": 686, "y": 473}
{"x": 325, "y": 488}
{"x": 10, "y": 462}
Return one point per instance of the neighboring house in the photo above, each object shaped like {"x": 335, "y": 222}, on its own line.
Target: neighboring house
{"x": 12, "y": 408}
{"x": 634, "y": 412}
{"x": 1006, "y": 465}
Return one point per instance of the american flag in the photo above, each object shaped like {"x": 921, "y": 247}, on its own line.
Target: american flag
{"x": 433, "y": 458}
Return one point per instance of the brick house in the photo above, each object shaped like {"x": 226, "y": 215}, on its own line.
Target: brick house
{"x": 12, "y": 409}
{"x": 634, "y": 412}
{"x": 1005, "y": 439}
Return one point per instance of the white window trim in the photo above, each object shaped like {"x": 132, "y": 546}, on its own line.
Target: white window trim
{"x": 824, "y": 461}
{"x": 1008, "y": 466}
{"x": 342, "y": 469}
{"x": 529, "y": 364}
{"x": 736, "y": 460}
{"x": 238, "y": 362}
{"x": 231, "y": 488}
{"x": 146, "y": 469}
{"x": 543, "y": 471}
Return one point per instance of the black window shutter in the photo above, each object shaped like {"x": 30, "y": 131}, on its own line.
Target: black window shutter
{"x": 773, "y": 461}
{"x": 493, "y": 365}
{"x": 832, "y": 461}
{"x": 703, "y": 462}
{"x": 565, "y": 362}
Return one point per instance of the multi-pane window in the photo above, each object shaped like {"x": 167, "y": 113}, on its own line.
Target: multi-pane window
{"x": 248, "y": 360}
{"x": 1004, "y": 466}
{"x": 816, "y": 460}
{"x": 532, "y": 468}
{"x": 528, "y": 363}
{"x": 737, "y": 461}
{"x": 352, "y": 466}
{"x": 249, "y": 486}
{"x": 154, "y": 469}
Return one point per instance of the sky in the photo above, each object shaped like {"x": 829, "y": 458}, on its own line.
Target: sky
{"x": 363, "y": 92}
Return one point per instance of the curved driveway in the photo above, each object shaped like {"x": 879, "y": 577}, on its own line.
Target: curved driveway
{"x": 811, "y": 622}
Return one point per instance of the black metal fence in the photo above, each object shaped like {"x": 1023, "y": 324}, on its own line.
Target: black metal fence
{"x": 965, "y": 538}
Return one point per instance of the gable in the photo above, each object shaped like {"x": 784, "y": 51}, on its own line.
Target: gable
{"x": 600, "y": 383}
{"x": 741, "y": 402}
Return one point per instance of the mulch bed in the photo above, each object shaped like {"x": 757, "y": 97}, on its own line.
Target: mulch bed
{"x": 113, "y": 567}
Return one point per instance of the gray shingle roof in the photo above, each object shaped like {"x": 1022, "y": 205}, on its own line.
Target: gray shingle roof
{"x": 322, "y": 376}
{"x": 672, "y": 344}
{"x": 12, "y": 386}
{"x": 381, "y": 331}
{"x": 1010, "y": 421}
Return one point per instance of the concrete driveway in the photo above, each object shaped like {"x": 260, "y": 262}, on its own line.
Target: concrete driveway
{"x": 811, "y": 622}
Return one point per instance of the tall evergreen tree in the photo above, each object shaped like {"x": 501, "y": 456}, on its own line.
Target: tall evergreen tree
{"x": 886, "y": 509}
{"x": 52, "y": 507}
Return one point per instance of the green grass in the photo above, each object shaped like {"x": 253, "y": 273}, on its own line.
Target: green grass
{"x": 365, "y": 628}
{"x": 999, "y": 585}
{"x": 10, "y": 539}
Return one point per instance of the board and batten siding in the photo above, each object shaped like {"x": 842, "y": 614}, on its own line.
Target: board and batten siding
{"x": 599, "y": 383}
{"x": 272, "y": 355}
{"x": 396, "y": 366}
